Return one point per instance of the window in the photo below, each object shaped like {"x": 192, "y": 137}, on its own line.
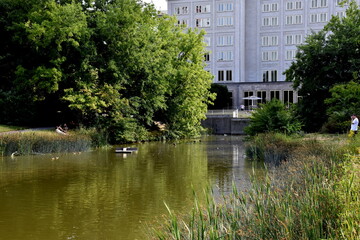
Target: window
{"x": 269, "y": 41}
{"x": 182, "y": 22}
{"x": 247, "y": 103}
{"x": 341, "y": 14}
{"x": 207, "y": 41}
{"x": 202, "y": 22}
{"x": 207, "y": 57}
{"x": 181, "y": 10}
{"x": 295, "y": 19}
{"x": 270, "y": 76}
{"x": 293, "y": 39}
{"x": 225, "y": 40}
{"x": 290, "y": 54}
{"x": 288, "y": 97}
{"x": 270, "y": 56}
{"x": 274, "y": 94}
{"x": 225, "y": 7}
{"x": 270, "y": 21}
{"x": 318, "y": 18}
{"x": 225, "y": 21}
{"x": 220, "y": 75}
{"x": 262, "y": 95}
{"x": 225, "y": 75}
{"x": 228, "y": 75}
{"x": 270, "y": 7}
{"x": 294, "y": 5}
{"x": 225, "y": 56}
{"x": 319, "y": 3}
{"x": 202, "y": 8}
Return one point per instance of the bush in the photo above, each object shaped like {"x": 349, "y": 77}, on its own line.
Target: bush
{"x": 273, "y": 117}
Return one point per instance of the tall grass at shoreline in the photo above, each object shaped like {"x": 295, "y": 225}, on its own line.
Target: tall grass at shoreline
{"x": 36, "y": 142}
{"x": 311, "y": 192}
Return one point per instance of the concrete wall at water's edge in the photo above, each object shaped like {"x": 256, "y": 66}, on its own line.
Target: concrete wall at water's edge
{"x": 226, "y": 125}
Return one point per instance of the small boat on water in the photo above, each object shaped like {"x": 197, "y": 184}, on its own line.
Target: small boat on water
{"x": 125, "y": 150}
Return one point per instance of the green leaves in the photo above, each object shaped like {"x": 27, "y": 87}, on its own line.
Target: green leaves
{"x": 273, "y": 117}
{"x": 329, "y": 57}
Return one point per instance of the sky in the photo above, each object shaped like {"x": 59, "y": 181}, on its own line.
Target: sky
{"x": 159, "y": 4}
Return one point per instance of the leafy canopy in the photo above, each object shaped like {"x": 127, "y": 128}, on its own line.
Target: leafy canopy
{"x": 328, "y": 57}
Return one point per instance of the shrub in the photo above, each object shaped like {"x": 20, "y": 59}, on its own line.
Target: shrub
{"x": 273, "y": 117}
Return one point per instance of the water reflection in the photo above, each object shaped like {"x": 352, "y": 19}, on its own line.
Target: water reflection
{"x": 103, "y": 195}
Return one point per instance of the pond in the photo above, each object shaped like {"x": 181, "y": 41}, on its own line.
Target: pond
{"x": 106, "y": 195}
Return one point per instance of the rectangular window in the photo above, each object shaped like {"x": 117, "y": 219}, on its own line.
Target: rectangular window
{"x": 318, "y": 18}
{"x": 294, "y": 19}
{"x": 262, "y": 95}
{"x": 207, "y": 41}
{"x": 270, "y": 76}
{"x": 341, "y": 15}
{"x": 274, "y": 94}
{"x": 225, "y": 40}
{"x": 288, "y": 97}
{"x": 319, "y": 3}
{"x": 220, "y": 75}
{"x": 225, "y": 56}
{"x": 270, "y": 56}
{"x": 202, "y": 22}
{"x": 269, "y": 41}
{"x": 228, "y": 75}
{"x": 225, "y": 7}
{"x": 290, "y": 55}
{"x": 181, "y": 10}
{"x": 183, "y": 22}
{"x": 225, "y": 21}
{"x": 247, "y": 103}
{"x": 270, "y": 21}
{"x": 270, "y": 7}
{"x": 207, "y": 57}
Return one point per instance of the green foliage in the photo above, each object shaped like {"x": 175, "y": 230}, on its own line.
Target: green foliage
{"x": 223, "y": 97}
{"x": 113, "y": 65}
{"x": 273, "y": 117}
{"x": 343, "y": 103}
{"x": 328, "y": 57}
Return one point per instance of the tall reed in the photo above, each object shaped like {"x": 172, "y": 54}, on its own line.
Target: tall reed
{"x": 25, "y": 143}
{"x": 310, "y": 195}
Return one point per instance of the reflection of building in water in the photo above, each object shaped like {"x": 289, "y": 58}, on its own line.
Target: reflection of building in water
{"x": 227, "y": 164}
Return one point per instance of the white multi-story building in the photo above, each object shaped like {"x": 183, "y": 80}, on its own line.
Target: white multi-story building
{"x": 252, "y": 42}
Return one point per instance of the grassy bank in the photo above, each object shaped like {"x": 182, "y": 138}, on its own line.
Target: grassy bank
{"x": 35, "y": 142}
{"x": 7, "y": 128}
{"x": 311, "y": 191}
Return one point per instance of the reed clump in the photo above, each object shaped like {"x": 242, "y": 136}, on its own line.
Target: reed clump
{"x": 314, "y": 194}
{"x": 39, "y": 142}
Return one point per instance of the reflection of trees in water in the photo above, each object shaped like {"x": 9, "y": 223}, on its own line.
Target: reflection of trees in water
{"x": 102, "y": 194}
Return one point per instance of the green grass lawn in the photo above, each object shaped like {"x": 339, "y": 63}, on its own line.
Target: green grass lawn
{"x": 6, "y": 128}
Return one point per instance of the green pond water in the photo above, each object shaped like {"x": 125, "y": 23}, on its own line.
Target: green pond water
{"x": 104, "y": 195}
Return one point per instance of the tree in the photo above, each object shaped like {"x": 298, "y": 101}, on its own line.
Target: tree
{"x": 329, "y": 57}
{"x": 343, "y": 103}
{"x": 223, "y": 97}
{"x": 273, "y": 116}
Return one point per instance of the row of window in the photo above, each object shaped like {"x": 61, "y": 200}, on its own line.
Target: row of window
{"x": 268, "y": 75}
{"x": 221, "y": 7}
{"x": 288, "y": 96}
{"x": 268, "y": 56}
{"x": 296, "y": 5}
{"x": 206, "y": 22}
{"x": 290, "y": 39}
{"x": 268, "y": 7}
{"x": 267, "y": 21}
{"x": 298, "y": 19}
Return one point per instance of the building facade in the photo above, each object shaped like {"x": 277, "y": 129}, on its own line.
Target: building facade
{"x": 252, "y": 42}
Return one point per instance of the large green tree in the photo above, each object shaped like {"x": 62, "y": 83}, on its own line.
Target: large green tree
{"x": 113, "y": 64}
{"x": 328, "y": 57}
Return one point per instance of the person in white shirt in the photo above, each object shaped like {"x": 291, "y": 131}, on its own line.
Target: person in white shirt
{"x": 354, "y": 124}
